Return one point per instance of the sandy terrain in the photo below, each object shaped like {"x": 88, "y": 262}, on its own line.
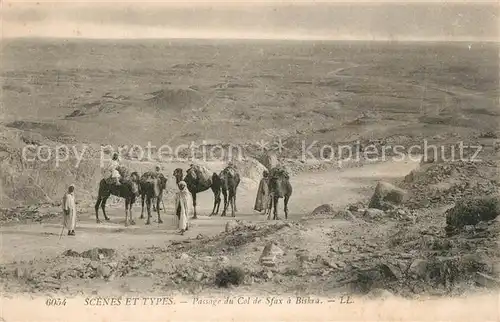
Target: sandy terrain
{"x": 28, "y": 242}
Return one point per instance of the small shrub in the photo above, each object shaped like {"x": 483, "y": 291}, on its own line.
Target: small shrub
{"x": 229, "y": 275}
{"x": 488, "y": 135}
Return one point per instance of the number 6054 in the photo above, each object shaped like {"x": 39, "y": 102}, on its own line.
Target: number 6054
{"x": 55, "y": 302}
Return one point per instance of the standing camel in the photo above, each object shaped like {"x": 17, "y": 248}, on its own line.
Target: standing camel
{"x": 151, "y": 187}
{"x": 279, "y": 187}
{"x": 128, "y": 189}
{"x": 196, "y": 183}
{"x": 230, "y": 179}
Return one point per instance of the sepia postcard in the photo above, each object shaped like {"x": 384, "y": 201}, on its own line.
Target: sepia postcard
{"x": 249, "y": 161}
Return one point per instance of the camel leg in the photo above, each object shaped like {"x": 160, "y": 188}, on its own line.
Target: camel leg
{"x": 217, "y": 200}
{"x": 287, "y": 198}
{"x": 158, "y": 210}
{"x": 132, "y": 221}
{"x": 142, "y": 207}
{"x": 269, "y": 207}
{"x": 275, "y": 210}
{"x": 218, "y": 204}
{"x": 148, "y": 207}
{"x": 126, "y": 211}
{"x": 213, "y": 209}
{"x": 195, "y": 216}
{"x": 103, "y": 207}
{"x": 232, "y": 199}
{"x": 97, "y": 204}
{"x": 224, "y": 193}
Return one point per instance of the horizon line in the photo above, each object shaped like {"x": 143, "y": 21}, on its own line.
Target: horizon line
{"x": 488, "y": 40}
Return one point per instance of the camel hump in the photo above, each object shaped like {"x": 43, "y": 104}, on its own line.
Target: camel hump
{"x": 229, "y": 171}
{"x": 201, "y": 172}
{"x": 150, "y": 176}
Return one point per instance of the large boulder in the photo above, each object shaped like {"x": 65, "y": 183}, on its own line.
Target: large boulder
{"x": 325, "y": 209}
{"x": 387, "y": 195}
{"x": 250, "y": 168}
{"x": 471, "y": 211}
{"x": 374, "y": 214}
{"x": 269, "y": 254}
{"x": 231, "y": 226}
{"x": 329, "y": 210}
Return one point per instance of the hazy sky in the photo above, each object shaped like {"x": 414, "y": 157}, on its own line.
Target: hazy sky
{"x": 373, "y": 20}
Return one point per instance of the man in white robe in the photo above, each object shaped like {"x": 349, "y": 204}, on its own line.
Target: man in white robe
{"x": 184, "y": 205}
{"x": 112, "y": 169}
{"x": 69, "y": 210}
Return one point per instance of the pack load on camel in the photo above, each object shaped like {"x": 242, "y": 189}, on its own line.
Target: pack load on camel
{"x": 203, "y": 175}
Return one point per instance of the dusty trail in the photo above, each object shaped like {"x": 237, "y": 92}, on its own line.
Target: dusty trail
{"x": 337, "y": 186}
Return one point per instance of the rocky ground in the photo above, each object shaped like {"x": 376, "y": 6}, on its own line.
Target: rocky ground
{"x": 399, "y": 249}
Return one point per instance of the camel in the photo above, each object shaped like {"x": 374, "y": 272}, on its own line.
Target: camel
{"x": 128, "y": 189}
{"x": 196, "y": 183}
{"x": 279, "y": 187}
{"x": 151, "y": 187}
{"x": 230, "y": 179}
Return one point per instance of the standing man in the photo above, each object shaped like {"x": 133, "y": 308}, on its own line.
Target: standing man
{"x": 184, "y": 206}
{"x": 263, "y": 200}
{"x": 69, "y": 210}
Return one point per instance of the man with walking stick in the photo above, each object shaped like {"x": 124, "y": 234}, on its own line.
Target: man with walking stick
{"x": 69, "y": 211}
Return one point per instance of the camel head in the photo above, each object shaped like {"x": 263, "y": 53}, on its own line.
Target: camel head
{"x": 277, "y": 180}
{"x": 178, "y": 174}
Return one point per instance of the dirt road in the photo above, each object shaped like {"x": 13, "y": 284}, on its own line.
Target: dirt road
{"x": 337, "y": 186}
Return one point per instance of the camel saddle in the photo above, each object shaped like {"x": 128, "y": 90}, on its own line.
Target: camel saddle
{"x": 279, "y": 172}
{"x": 202, "y": 172}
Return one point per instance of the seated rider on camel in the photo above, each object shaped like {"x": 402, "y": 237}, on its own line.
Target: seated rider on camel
{"x": 113, "y": 169}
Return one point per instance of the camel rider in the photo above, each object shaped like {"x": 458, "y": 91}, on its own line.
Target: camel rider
{"x": 113, "y": 168}
{"x": 231, "y": 165}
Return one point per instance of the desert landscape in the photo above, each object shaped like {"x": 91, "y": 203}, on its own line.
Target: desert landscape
{"x": 440, "y": 240}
